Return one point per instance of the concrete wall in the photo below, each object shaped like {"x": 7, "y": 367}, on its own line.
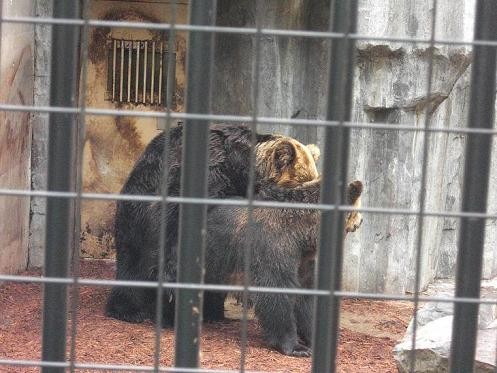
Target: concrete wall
{"x": 113, "y": 144}
{"x": 293, "y": 71}
{"x": 39, "y": 155}
{"x": 16, "y": 72}
{"x": 391, "y": 85}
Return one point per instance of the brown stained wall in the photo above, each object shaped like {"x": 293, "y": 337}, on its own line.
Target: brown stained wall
{"x": 113, "y": 144}
{"x": 16, "y": 71}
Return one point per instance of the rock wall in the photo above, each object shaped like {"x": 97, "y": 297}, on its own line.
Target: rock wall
{"x": 16, "y": 72}
{"x": 39, "y": 141}
{"x": 434, "y": 331}
{"x": 391, "y": 85}
{"x": 113, "y": 144}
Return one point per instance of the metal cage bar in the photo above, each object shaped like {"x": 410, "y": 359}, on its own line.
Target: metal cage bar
{"x": 168, "y": 94}
{"x": 81, "y": 130}
{"x": 343, "y": 15}
{"x": 59, "y": 223}
{"x": 243, "y": 202}
{"x": 422, "y": 194}
{"x": 475, "y": 190}
{"x": 194, "y": 175}
{"x": 247, "y": 254}
{"x": 238, "y": 30}
{"x": 242, "y": 119}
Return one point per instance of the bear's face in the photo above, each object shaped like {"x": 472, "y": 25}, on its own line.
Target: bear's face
{"x": 353, "y": 219}
{"x": 286, "y": 162}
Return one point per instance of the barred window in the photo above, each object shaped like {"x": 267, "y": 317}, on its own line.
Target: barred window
{"x": 137, "y": 71}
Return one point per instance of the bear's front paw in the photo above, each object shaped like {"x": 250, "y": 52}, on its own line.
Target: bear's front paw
{"x": 295, "y": 349}
{"x": 300, "y": 350}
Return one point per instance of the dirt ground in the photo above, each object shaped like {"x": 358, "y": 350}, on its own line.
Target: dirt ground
{"x": 369, "y": 330}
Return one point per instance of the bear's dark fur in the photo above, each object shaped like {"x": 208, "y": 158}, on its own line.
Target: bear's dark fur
{"x": 283, "y": 244}
{"x": 279, "y": 160}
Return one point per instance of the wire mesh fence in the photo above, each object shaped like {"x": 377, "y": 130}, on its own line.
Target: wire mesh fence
{"x": 68, "y": 111}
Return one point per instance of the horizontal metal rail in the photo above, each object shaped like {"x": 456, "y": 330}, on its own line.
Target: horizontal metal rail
{"x": 112, "y": 367}
{"x": 244, "y": 119}
{"x": 245, "y": 203}
{"x": 237, "y": 288}
{"x": 241, "y": 30}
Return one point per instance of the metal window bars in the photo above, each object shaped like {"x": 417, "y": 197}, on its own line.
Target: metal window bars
{"x": 64, "y": 189}
{"x": 137, "y": 71}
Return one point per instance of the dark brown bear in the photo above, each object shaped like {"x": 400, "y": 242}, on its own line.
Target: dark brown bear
{"x": 283, "y": 244}
{"x": 279, "y": 160}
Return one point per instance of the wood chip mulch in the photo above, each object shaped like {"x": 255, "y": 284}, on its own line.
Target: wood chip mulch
{"x": 102, "y": 340}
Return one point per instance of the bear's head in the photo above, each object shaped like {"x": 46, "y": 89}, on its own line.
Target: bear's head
{"x": 353, "y": 219}
{"x": 286, "y": 162}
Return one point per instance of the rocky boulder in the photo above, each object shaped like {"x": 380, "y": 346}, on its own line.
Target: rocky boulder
{"x": 433, "y": 337}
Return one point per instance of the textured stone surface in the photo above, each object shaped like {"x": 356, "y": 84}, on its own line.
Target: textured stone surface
{"x": 433, "y": 347}
{"x": 16, "y": 74}
{"x": 392, "y": 87}
{"x": 434, "y": 330}
{"x": 39, "y": 150}
{"x": 391, "y": 84}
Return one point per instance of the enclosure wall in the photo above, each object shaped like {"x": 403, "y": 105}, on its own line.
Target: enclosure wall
{"x": 390, "y": 87}
{"x": 16, "y": 72}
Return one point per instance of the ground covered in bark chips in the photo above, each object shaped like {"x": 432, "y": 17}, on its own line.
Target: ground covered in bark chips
{"x": 369, "y": 331}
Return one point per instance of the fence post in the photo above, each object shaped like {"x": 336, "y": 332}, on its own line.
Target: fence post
{"x": 343, "y": 15}
{"x": 475, "y": 188}
{"x": 194, "y": 174}
{"x": 61, "y": 172}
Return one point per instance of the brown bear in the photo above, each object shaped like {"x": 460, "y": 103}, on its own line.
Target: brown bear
{"x": 280, "y": 161}
{"x": 283, "y": 244}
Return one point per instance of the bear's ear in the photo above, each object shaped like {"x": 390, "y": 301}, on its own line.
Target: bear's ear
{"x": 284, "y": 155}
{"x": 354, "y": 191}
{"x": 315, "y": 152}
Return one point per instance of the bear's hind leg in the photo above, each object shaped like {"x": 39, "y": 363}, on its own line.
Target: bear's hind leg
{"x": 213, "y": 309}
{"x": 124, "y": 304}
{"x": 168, "y": 308}
{"x": 275, "y": 313}
{"x": 303, "y": 314}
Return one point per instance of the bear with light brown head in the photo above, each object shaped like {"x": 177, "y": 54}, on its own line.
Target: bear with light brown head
{"x": 286, "y": 162}
{"x": 283, "y": 248}
{"x": 280, "y": 161}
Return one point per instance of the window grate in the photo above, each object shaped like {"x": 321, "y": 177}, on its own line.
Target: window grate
{"x": 137, "y": 71}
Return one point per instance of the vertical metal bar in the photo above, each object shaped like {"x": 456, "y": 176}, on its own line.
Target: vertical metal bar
{"x": 247, "y": 253}
{"x": 422, "y": 194}
{"x": 75, "y": 293}
{"x": 164, "y": 188}
{"x": 114, "y": 57}
{"x": 145, "y": 57}
{"x": 161, "y": 63}
{"x": 475, "y": 188}
{"x": 194, "y": 184}
{"x": 130, "y": 54}
{"x": 343, "y": 16}
{"x": 121, "y": 75}
{"x": 59, "y": 224}
{"x": 152, "y": 77}
{"x": 137, "y": 76}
